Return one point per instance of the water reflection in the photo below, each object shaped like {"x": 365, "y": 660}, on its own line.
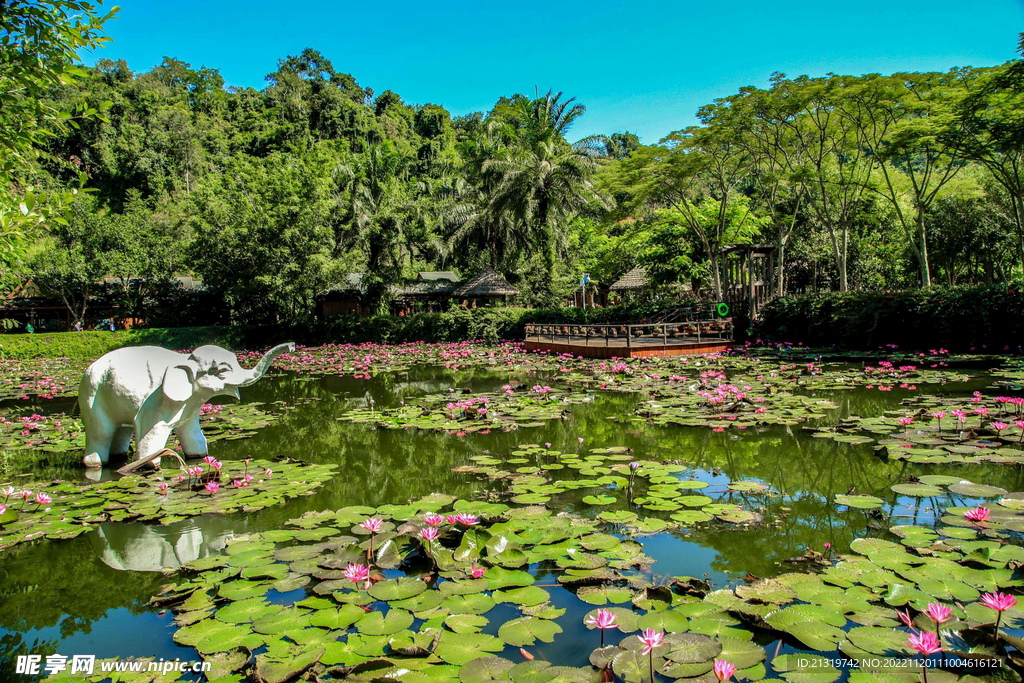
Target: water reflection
{"x": 142, "y": 547}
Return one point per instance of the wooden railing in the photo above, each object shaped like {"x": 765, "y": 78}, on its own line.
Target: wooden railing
{"x": 691, "y": 331}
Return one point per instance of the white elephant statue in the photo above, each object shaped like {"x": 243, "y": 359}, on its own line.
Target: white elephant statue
{"x": 150, "y": 392}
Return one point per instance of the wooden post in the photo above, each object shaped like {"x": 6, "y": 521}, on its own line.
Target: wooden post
{"x": 750, "y": 283}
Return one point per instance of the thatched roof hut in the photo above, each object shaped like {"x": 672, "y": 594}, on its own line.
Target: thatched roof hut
{"x": 434, "y": 275}
{"x": 485, "y": 285}
{"x": 632, "y": 281}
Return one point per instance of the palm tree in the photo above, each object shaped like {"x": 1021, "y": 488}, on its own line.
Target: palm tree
{"x": 378, "y": 210}
{"x": 536, "y": 179}
{"x": 466, "y": 214}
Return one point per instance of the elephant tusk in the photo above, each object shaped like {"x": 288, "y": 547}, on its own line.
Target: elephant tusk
{"x": 132, "y": 466}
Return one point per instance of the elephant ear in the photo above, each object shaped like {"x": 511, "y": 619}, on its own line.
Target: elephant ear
{"x": 178, "y": 379}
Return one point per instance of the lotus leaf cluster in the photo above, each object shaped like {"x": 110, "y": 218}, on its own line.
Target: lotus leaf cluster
{"x": 63, "y": 509}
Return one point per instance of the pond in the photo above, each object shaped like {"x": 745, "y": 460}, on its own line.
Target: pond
{"x": 723, "y": 501}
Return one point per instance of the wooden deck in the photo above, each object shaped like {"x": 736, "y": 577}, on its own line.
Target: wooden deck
{"x": 643, "y": 347}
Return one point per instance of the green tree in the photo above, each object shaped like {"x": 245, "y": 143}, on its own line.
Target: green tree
{"x": 73, "y": 259}
{"x": 836, "y": 166}
{"x": 900, "y": 120}
{"x": 765, "y": 120}
{"x": 379, "y": 211}
{"x": 266, "y": 234}
{"x": 39, "y": 45}
{"x": 697, "y": 172}
{"x": 989, "y": 130}
{"x": 537, "y": 178}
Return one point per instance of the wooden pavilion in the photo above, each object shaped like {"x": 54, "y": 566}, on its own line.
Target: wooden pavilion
{"x": 747, "y": 272}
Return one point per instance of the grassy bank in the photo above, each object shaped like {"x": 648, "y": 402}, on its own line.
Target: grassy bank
{"x": 95, "y": 344}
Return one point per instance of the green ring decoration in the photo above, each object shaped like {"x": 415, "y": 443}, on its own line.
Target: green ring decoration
{"x": 723, "y": 309}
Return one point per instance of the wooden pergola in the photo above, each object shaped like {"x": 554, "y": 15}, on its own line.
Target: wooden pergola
{"x": 747, "y": 272}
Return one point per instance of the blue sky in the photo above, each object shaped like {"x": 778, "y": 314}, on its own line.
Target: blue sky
{"x": 643, "y": 66}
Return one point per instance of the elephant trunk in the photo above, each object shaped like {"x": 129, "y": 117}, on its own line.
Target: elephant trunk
{"x": 261, "y": 368}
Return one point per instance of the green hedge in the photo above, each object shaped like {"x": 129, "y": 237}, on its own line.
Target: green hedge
{"x": 957, "y": 318}
{"x": 488, "y": 324}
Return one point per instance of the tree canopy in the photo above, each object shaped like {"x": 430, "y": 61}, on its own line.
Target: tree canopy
{"x": 272, "y": 195}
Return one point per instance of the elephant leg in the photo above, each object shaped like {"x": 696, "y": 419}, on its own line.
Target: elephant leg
{"x": 152, "y": 439}
{"x": 190, "y": 434}
{"x": 97, "y": 445}
{"x": 122, "y": 441}
{"x": 99, "y": 427}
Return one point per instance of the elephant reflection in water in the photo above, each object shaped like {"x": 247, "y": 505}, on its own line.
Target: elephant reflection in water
{"x": 141, "y": 547}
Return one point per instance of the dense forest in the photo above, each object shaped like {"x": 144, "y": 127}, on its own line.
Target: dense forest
{"x": 269, "y": 196}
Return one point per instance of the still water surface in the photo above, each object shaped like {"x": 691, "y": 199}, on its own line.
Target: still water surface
{"x": 89, "y": 595}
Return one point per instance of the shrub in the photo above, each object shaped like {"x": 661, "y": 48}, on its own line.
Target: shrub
{"x": 951, "y": 317}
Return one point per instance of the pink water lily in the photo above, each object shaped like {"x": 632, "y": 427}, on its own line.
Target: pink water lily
{"x": 268, "y": 473}
{"x": 978, "y": 515}
{"x": 475, "y": 571}
{"x": 938, "y": 612}
{"x": 602, "y": 619}
{"x": 358, "y": 573}
{"x": 212, "y": 487}
{"x": 468, "y": 520}
{"x": 926, "y": 643}
{"x": 373, "y": 525}
{"x": 651, "y": 639}
{"x": 904, "y": 617}
{"x": 723, "y": 669}
{"x": 433, "y": 519}
{"x": 43, "y": 499}
{"x": 1000, "y": 602}
{"x": 429, "y": 534}
{"x": 162, "y": 487}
